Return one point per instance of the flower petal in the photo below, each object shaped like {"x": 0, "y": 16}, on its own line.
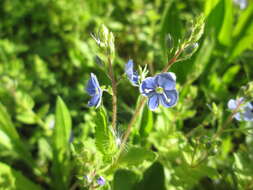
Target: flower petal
{"x": 232, "y": 104}
{"x": 153, "y": 102}
{"x": 248, "y": 114}
{"x": 93, "y": 85}
{"x": 95, "y": 100}
{"x": 169, "y": 98}
{"x": 129, "y": 68}
{"x": 148, "y": 86}
{"x": 166, "y": 80}
{"x": 131, "y": 74}
{"x": 237, "y": 116}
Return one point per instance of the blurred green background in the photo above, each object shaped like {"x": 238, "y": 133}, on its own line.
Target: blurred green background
{"x": 46, "y": 51}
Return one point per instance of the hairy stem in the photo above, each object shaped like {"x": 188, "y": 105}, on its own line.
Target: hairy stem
{"x": 172, "y": 60}
{"x": 133, "y": 119}
{"x": 114, "y": 94}
{"x": 128, "y": 131}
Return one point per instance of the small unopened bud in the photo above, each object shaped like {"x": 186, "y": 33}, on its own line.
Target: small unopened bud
{"x": 169, "y": 41}
{"x": 111, "y": 43}
{"x": 103, "y": 33}
{"x": 199, "y": 30}
{"x": 190, "y": 50}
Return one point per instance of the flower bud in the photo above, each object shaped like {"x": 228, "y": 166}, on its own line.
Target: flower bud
{"x": 189, "y": 50}
{"x": 169, "y": 41}
{"x": 111, "y": 44}
{"x": 198, "y": 32}
{"x": 103, "y": 33}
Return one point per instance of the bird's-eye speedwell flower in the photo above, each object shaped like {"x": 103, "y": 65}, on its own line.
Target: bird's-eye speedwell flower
{"x": 101, "y": 181}
{"x": 244, "y": 110}
{"x": 94, "y": 91}
{"x": 160, "y": 89}
{"x": 131, "y": 74}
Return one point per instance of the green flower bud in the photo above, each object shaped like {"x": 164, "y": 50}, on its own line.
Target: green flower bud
{"x": 189, "y": 50}
{"x": 111, "y": 44}
{"x": 198, "y": 32}
{"x": 104, "y": 33}
{"x": 169, "y": 41}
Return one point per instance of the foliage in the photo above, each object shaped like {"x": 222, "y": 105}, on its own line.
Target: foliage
{"x": 51, "y": 139}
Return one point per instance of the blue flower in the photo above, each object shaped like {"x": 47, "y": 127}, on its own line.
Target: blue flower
{"x": 160, "y": 89}
{"x": 131, "y": 74}
{"x": 241, "y": 3}
{"x": 245, "y": 110}
{"x": 94, "y": 91}
{"x": 101, "y": 181}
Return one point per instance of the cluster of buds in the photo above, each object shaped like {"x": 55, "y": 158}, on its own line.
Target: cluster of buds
{"x": 190, "y": 43}
{"x": 105, "y": 40}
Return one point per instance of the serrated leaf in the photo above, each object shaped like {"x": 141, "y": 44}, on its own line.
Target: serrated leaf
{"x": 12, "y": 179}
{"x": 136, "y": 155}
{"x": 104, "y": 138}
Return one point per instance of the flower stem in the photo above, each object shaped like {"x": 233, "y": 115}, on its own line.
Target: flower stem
{"x": 114, "y": 94}
{"x": 218, "y": 133}
{"x": 172, "y": 60}
{"x": 130, "y": 125}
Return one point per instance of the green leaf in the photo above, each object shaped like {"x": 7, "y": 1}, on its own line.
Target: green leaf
{"x": 19, "y": 147}
{"x": 12, "y": 179}
{"x": 243, "y": 32}
{"x": 202, "y": 58}
{"x": 170, "y": 24}
{"x": 245, "y": 43}
{"x": 244, "y": 21}
{"x": 25, "y": 100}
{"x": 62, "y": 128}
{"x": 62, "y": 131}
{"x": 27, "y": 117}
{"x": 230, "y": 74}
{"x": 124, "y": 180}
{"x": 225, "y": 36}
{"x": 6, "y": 124}
{"x": 215, "y": 19}
{"x": 146, "y": 122}
{"x": 154, "y": 178}
{"x": 104, "y": 138}
{"x": 136, "y": 155}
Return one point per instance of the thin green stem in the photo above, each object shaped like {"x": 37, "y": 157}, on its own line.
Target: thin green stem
{"x": 128, "y": 131}
{"x": 173, "y": 60}
{"x": 114, "y": 94}
{"x": 219, "y": 132}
